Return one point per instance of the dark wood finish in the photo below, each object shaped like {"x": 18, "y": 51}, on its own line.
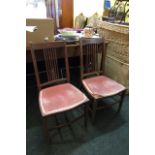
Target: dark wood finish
{"x": 72, "y": 51}
{"x": 121, "y": 100}
{"x": 90, "y": 66}
{"x": 89, "y": 50}
{"x": 45, "y": 128}
{"x": 49, "y": 52}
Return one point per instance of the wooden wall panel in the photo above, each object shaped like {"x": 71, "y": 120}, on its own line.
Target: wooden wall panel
{"x": 66, "y": 19}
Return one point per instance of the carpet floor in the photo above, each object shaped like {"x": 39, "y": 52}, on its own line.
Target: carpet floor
{"x": 108, "y": 136}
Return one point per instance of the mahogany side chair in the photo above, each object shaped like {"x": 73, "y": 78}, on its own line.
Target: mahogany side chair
{"x": 56, "y": 93}
{"x": 95, "y": 83}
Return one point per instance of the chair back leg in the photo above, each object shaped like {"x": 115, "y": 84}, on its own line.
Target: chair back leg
{"x": 94, "y": 106}
{"x": 121, "y": 100}
{"x": 85, "y": 114}
{"x": 45, "y": 128}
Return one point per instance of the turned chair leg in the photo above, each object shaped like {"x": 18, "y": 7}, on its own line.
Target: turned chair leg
{"x": 121, "y": 100}
{"x": 94, "y": 106}
{"x": 45, "y": 128}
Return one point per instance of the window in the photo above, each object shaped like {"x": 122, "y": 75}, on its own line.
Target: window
{"x": 35, "y": 9}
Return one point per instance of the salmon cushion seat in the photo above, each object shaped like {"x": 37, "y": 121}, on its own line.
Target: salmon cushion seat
{"x": 101, "y": 86}
{"x": 60, "y": 98}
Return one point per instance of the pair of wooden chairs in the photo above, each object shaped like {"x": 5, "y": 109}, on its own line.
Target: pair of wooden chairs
{"x": 57, "y": 94}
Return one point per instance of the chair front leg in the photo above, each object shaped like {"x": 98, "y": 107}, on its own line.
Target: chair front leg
{"x": 94, "y": 106}
{"x": 121, "y": 100}
{"x": 45, "y": 128}
{"x": 85, "y": 114}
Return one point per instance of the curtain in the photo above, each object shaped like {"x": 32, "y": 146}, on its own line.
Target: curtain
{"x": 52, "y": 11}
{"x": 50, "y": 8}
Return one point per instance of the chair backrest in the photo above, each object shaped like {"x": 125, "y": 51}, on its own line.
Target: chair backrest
{"x": 53, "y": 67}
{"x": 92, "y": 56}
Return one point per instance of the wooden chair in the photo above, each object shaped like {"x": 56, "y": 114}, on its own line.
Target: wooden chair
{"x": 56, "y": 93}
{"x": 96, "y": 84}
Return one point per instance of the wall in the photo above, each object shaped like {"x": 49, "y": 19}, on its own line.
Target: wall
{"x": 89, "y": 7}
{"x": 35, "y": 9}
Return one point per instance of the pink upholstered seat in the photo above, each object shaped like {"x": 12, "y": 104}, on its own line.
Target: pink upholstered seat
{"x": 60, "y": 98}
{"x": 101, "y": 86}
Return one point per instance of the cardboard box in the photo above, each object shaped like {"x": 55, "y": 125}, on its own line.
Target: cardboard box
{"x": 44, "y": 31}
